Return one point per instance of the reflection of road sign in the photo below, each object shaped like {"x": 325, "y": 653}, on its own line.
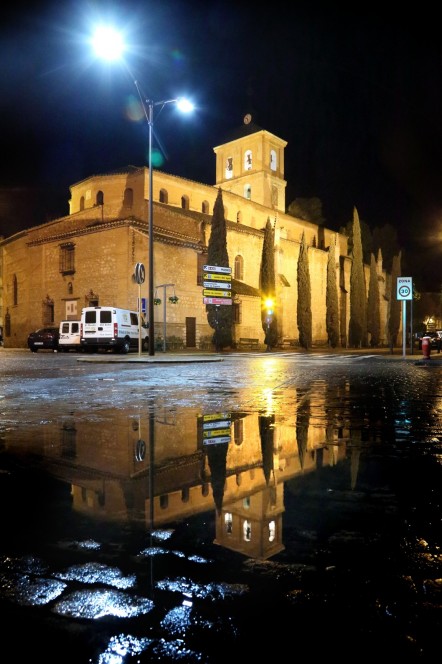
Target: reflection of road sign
{"x": 216, "y": 300}
{"x": 404, "y": 288}
{"x": 216, "y": 428}
{"x": 139, "y": 273}
{"x": 217, "y": 268}
{"x": 140, "y": 450}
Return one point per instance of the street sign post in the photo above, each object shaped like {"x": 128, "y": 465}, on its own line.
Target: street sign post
{"x": 404, "y": 292}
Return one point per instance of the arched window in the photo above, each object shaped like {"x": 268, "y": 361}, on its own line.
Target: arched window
{"x": 164, "y": 196}
{"x": 238, "y": 431}
{"x": 205, "y": 207}
{"x": 15, "y": 289}
{"x": 248, "y": 160}
{"x": 100, "y": 198}
{"x": 82, "y": 203}
{"x": 128, "y": 197}
{"x": 247, "y": 192}
{"x": 238, "y": 269}
{"x": 185, "y": 202}
{"x": 164, "y": 501}
{"x": 273, "y": 160}
{"x": 185, "y": 494}
{"x": 239, "y": 217}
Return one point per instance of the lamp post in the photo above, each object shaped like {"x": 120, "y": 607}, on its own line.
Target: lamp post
{"x": 185, "y": 106}
{"x": 109, "y": 45}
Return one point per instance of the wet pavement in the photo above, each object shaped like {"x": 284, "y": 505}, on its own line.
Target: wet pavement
{"x": 189, "y": 511}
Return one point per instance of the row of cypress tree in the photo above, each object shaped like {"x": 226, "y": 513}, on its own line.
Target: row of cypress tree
{"x": 365, "y": 322}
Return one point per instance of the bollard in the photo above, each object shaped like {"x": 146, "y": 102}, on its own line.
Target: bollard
{"x": 426, "y": 349}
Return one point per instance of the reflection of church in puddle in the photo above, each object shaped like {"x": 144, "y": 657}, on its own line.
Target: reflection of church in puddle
{"x": 160, "y": 472}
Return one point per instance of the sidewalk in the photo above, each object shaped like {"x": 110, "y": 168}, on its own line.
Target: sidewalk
{"x": 197, "y": 355}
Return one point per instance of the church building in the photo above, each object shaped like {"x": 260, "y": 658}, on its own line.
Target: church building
{"x": 87, "y": 258}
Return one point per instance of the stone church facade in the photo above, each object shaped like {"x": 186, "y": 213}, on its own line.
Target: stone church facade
{"x": 50, "y": 272}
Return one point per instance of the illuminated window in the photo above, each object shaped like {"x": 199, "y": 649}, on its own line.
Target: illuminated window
{"x": 273, "y": 160}
{"x": 229, "y": 168}
{"x": 228, "y": 522}
{"x": 272, "y": 531}
{"x": 247, "y": 531}
{"x": 248, "y": 160}
{"x": 248, "y": 192}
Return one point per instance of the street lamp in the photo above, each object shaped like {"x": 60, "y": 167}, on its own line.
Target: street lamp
{"x": 184, "y": 106}
{"x": 109, "y": 45}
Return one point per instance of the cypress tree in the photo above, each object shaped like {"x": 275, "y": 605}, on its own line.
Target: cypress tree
{"x": 219, "y": 317}
{"x": 394, "y": 310}
{"x": 357, "y": 329}
{"x": 304, "y": 305}
{"x": 373, "y": 308}
{"x": 268, "y": 291}
{"x": 332, "y": 302}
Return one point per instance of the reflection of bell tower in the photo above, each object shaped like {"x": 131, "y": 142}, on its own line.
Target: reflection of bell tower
{"x": 253, "y": 525}
{"x": 251, "y": 164}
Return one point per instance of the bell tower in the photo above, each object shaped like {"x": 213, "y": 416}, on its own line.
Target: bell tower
{"x": 251, "y": 164}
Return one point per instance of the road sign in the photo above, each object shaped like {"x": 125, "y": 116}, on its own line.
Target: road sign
{"x": 218, "y": 276}
{"x": 404, "y": 288}
{"x": 139, "y": 273}
{"x": 217, "y": 300}
{"x": 216, "y": 284}
{"x": 216, "y": 293}
{"x": 143, "y": 305}
{"x": 217, "y": 268}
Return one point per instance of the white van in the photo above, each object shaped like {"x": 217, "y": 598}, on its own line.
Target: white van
{"x": 69, "y": 336}
{"x": 110, "y": 328}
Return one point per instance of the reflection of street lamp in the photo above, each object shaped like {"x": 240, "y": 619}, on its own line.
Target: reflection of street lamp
{"x": 109, "y": 45}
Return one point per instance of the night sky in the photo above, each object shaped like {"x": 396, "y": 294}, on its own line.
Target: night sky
{"x": 356, "y": 95}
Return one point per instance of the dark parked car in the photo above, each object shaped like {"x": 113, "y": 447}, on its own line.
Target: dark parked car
{"x": 45, "y": 337}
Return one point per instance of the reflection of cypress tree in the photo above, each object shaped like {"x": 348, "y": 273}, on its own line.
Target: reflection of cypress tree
{"x": 216, "y": 456}
{"x": 302, "y": 425}
{"x": 266, "y": 433}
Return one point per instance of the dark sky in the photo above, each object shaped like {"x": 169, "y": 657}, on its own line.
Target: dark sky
{"x": 357, "y": 95}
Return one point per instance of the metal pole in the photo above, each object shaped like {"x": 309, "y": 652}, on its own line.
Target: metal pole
{"x": 150, "y": 230}
{"x": 404, "y": 327}
{"x": 164, "y": 319}
{"x": 139, "y": 320}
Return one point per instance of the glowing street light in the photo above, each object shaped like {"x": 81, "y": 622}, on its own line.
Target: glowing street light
{"x": 269, "y": 305}
{"x": 109, "y": 45}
